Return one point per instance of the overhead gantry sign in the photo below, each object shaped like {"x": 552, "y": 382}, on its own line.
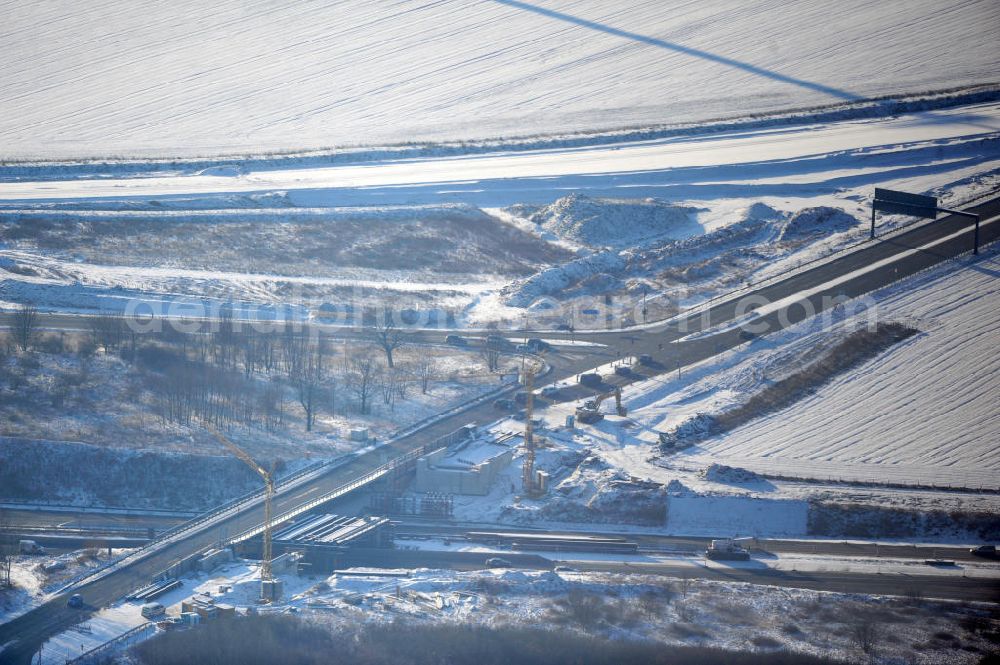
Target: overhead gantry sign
{"x": 916, "y": 205}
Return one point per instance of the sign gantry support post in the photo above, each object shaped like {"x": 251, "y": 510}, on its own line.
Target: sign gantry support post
{"x": 917, "y": 205}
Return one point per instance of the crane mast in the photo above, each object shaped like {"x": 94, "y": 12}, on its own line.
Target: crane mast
{"x": 268, "y": 477}
{"x": 528, "y": 468}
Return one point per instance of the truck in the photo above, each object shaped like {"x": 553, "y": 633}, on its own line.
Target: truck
{"x": 727, "y": 549}
{"x": 30, "y": 547}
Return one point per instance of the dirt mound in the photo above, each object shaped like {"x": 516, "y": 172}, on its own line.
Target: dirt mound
{"x": 613, "y": 222}
{"x": 720, "y": 473}
{"x": 817, "y": 221}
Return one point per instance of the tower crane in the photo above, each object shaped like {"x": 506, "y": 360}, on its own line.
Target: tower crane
{"x": 266, "y": 578}
{"x": 528, "y": 466}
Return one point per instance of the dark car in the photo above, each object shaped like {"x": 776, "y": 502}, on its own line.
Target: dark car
{"x": 538, "y": 345}
{"x": 985, "y": 551}
{"x": 75, "y": 601}
{"x": 504, "y": 404}
{"x": 455, "y": 340}
{"x": 497, "y": 562}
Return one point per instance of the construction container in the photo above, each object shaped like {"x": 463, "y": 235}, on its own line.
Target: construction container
{"x": 272, "y": 590}
{"x": 226, "y": 611}
{"x": 213, "y": 558}
{"x": 206, "y": 609}
{"x": 541, "y": 482}
{"x": 358, "y": 434}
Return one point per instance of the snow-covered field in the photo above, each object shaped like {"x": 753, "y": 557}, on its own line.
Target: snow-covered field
{"x": 887, "y": 419}
{"x": 145, "y": 78}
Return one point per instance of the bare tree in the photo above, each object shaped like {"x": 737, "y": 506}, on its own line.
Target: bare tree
{"x": 865, "y": 632}
{"x": 293, "y": 349}
{"x": 387, "y": 385}
{"x": 7, "y": 550}
{"x": 272, "y": 405}
{"x": 24, "y": 324}
{"x": 491, "y": 350}
{"x": 388, "y": 336}
{"x": 361, "y": 380}
{"x": 424, "y": 371}
{"x": 105, "y": 331}
{"x": 307, "y": 381}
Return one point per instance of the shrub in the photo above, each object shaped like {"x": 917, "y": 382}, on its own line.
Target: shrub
{"x": 50, "y": 343}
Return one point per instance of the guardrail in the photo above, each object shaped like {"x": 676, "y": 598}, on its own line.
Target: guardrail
{"x": 101, "y": 652}
{"x": 249, "y": 497}
{"x": 369, "y": 477}
{"x": 35, "y": 504}
{"x": 95, "y": 531}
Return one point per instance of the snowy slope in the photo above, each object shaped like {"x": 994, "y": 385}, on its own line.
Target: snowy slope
{"x": 145, "y": 78}
{"x": 930, "y": 403}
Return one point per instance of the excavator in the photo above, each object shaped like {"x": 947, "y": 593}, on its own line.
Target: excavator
{"x": 590, "y": 412}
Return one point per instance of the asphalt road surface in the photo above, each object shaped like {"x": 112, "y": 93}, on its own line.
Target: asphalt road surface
{"x": 23, "y": 635}
{"x": 691, "y": 544}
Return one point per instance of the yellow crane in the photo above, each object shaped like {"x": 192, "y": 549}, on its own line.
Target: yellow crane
{"x": 266, "y": 578}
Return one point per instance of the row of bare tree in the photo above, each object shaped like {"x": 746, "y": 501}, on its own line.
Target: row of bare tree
{"x": 233, "y": 374}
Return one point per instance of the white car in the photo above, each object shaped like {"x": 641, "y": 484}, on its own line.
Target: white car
{"x": 150, "y": 610}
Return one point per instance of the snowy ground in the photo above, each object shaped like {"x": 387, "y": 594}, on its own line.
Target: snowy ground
{"x": 735, "y": 616}
{"x": 26, "y": 591}
{"x": 674, "y": 611}
{"x": 35, "y": 577}
{"x": 130, "y": 78}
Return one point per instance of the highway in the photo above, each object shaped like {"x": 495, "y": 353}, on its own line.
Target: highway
{"x": 872, "y": 266}
{"x": 836, "y": 578}
{"x": 697, "y": 545}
